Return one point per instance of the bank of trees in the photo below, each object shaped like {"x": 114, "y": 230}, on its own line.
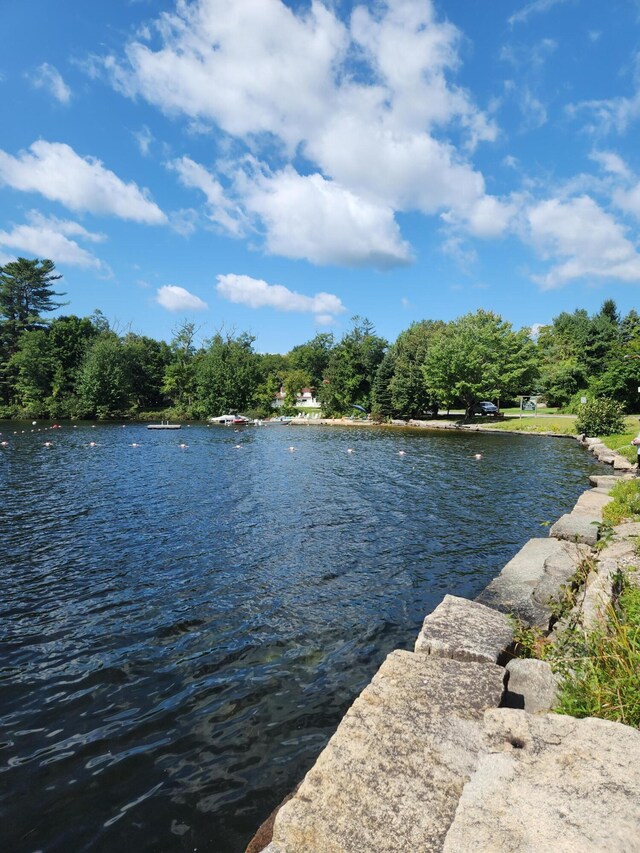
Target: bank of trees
{"x": 68, "y": 366}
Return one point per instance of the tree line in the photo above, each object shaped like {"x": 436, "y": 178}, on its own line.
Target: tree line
{"x": 79, "y": 367}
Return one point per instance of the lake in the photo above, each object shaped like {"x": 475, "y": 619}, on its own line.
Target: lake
{"x": 182, "y": 628}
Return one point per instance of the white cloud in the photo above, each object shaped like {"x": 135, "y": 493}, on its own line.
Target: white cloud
{"x": 48, "y": 237}
{"x": 202, "y": 69}
{"x": 58, "y": 173}
{"x": 533, "y": 8}
{"x": 610, "y": 162}
{"x": 582, "y": 240}
{"x": 255, "y": 293}
{"x": 49, "y": 78}
{"x": 220, "y": 210}
{"x": 321, "y": 221}
{"x": 535, "y": 330}
{"x": 144, "y": 138}
{"x": 628, "y": 200}
{"x": 376, "y": 147}
{"x": 612, "y": 114}
{"x": 175, "y": 298}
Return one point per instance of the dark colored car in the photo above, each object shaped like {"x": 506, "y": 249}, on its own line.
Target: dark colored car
{"x": 485, "y": 408}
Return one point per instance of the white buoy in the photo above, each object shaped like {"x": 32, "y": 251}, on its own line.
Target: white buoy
{"x": 401, "y": 453}
{"x": 350, "y": 450}
{"x": 477, "y": 455}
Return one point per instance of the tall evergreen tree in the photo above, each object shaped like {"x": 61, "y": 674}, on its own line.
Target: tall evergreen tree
{"x": 25, "y": 294}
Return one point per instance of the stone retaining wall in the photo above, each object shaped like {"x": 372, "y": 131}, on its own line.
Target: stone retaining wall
{"x": 449, "y": 750}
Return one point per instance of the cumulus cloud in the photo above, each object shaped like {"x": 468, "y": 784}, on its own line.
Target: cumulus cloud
{"x": 582, "y": 240}
{"x": 49, "y": 237}
{"x": 175, "y": 298}
{"x": 48, "y": 77}
{"x": 323, "y": 222}
{"x": 376, "y": 140}
{"x": 255, "y": 293}
{"x": 82, "y": 184}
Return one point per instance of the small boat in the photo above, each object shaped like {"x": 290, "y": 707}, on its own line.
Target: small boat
{"x": 164, "y": 425}
{"x": 230, "y": 420}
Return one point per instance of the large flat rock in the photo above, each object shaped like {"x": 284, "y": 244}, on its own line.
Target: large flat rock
{"x": 390, "y": 778}
{"x": 465, "y": 630}
{"x": 605, "y": 480}
{"x": 551, "y": 783}
{"x": 577, "y": 527}
{"x": 621, "y": 463}
{"x": 527, "y": 583}
{"x": 592, "y": 502}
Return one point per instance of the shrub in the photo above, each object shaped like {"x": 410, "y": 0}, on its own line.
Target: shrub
{"x": 600, "y": 417}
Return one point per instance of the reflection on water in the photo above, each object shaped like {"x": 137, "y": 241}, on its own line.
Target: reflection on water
{"x": 182, "y": 628}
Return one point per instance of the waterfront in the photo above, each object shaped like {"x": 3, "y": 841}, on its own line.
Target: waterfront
{"x": 183, "y": 627}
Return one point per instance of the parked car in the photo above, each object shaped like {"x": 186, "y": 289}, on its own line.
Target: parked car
{"x": 485, "y": 408}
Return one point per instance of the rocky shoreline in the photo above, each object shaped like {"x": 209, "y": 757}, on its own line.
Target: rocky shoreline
{"x": 452, "y": 747}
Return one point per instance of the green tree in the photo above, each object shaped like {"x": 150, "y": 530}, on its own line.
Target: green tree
{"x": 179, "y": 383}
{"x": 477, "y": 357}
{"x": 313, "y": 357}
{"x": 104, "y": 382}
{"x": 351, "y": 369}
{"x": 381, "y": 396}
{"x": 409, "y": 394}
{"x": 34, "y": 367}
{"x": 148, "y": 361}
{"x": 294, "y": 381}
{"x": 226, "y": 376}
{"x": 25, "y": 294}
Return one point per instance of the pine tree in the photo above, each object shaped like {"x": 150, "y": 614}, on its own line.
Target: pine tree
{"x": 25, "y": 293}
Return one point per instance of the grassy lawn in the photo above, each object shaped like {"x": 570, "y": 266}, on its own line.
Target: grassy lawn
{"x": 564, "y": 424}
{"x": 621, "y": 442}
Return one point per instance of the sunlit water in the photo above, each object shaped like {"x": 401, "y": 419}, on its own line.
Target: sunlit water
{"x": 182, "y": 628}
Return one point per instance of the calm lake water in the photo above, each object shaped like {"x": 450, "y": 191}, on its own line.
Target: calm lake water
{"x": 182, "y": 628}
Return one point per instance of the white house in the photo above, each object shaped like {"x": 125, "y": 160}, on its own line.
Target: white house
{"x": 306, "y": 399}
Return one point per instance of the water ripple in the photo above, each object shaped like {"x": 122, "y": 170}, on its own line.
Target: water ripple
{"x": 183, "y": 629}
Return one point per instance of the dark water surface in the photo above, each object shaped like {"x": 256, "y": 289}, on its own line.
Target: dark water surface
{"x": 182, "y": 629}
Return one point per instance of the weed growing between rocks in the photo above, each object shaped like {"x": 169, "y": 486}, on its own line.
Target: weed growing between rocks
{"x": 600, "y": 669}
{"x": 600, "y": 677}
{"x": 562, "y": 604}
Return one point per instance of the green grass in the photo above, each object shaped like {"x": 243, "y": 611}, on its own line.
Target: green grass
{"x": 621, "y": 442}
{"x": 604, "y": 666}
{"x": 625, "y": 505}
{"x": 564, "y": 425}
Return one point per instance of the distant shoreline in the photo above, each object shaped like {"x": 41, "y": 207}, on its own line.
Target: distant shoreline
{"x": 427, "y": 425}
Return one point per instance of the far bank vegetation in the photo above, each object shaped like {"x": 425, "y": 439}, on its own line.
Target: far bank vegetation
{"x": 66, "y": 366}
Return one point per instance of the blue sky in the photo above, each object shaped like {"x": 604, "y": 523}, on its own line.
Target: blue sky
{"x": 279, "y": 167}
